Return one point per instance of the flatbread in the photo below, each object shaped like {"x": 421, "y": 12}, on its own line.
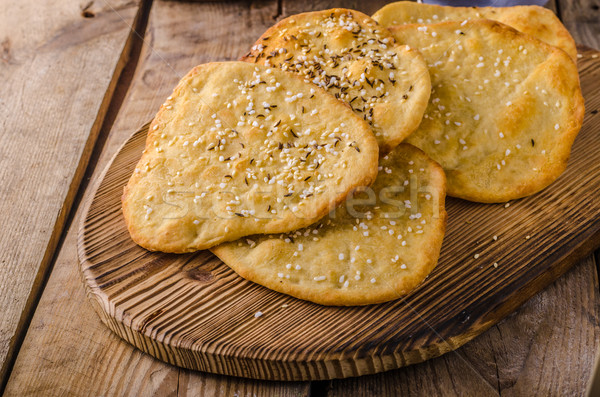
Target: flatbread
{"x": 240, "y": 149}
{"x": 536, "y": 21}
{"x": 365, "y": 252}
{"x": 345, "y": 52}
{"x": 504, "y": 109}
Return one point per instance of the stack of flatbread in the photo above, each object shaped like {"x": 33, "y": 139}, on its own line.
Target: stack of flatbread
{"x": 318, "y": 165}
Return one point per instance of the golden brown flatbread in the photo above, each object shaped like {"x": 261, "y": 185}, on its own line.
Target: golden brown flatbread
{"x": 504, "y": 109}
{"x": 241, "y": 149}
{"x": 349, "y": 55}
{"x": 377, "y": 247}
{"x": 536, "y": 21}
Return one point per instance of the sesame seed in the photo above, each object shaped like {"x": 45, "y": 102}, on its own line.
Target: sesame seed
{"x": 319, "y": 278}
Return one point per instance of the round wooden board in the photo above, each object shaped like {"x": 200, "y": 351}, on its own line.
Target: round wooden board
{"x": 193, "y": 311}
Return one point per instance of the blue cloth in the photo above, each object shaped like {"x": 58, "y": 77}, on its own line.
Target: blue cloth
{"x": 486, "y": 3}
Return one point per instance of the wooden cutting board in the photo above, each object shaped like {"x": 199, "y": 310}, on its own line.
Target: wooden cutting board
{"x": 192, "y": 311}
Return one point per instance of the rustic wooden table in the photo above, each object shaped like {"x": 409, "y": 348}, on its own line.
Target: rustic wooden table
{"x": 78, "y": 78}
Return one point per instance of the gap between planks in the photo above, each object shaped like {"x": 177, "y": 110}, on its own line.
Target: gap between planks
{"x": 111, "y": 103}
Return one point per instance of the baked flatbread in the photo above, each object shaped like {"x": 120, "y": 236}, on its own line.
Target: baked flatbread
{"x": 241, "y": 149}
{"x": 504, "y": 109}
{"x": 536, "y": 21}
{"x": 348, "y": 54}
{"x": 376, "y": 247}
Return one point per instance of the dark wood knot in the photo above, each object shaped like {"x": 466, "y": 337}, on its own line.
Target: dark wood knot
{"x": 201, "y": 275}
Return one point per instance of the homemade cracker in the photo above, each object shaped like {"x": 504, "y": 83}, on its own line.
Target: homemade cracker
{"x": 533, "y": 20}
{"x": 348, "y": 54}
{"x": 376, "y": 247}
{"x": 504, "y": 109}
{"x": 241, "y": 149}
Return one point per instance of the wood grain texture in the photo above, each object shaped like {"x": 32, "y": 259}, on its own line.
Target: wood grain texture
{"x": 542, "y": 350}
{"x": 193, "y": 311}
{"x": 581, "y": 18}
{"x": 295, "y": 7}
{"x": 67, "y": 350}
{"x": 58, "y": 69}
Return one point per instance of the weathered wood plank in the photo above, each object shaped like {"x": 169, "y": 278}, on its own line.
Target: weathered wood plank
{"x": 67, "y": 350}
{"x": 581, "y": 18}
{"x": 58, "y": 67}
{"x": 295, "y": 7}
